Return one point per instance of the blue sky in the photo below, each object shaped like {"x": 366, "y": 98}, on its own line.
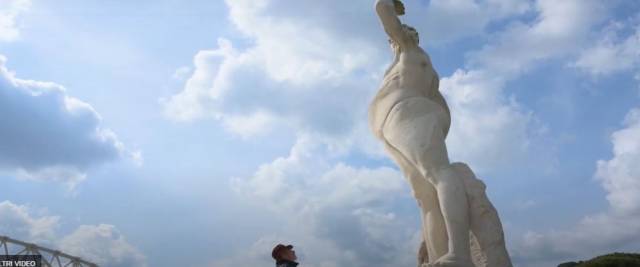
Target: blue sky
{"x": 201, "y": 133}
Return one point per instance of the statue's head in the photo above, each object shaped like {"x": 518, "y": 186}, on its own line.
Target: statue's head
{"x": 409, "y": 32}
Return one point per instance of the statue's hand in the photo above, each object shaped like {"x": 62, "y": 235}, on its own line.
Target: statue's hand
{"x": 399, "y": 7}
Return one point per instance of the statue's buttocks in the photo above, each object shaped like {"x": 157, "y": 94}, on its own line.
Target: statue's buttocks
{"x": 411, "y": 76}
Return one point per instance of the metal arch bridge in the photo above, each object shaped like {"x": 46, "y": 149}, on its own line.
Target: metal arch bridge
{"x": 50, "y": 257}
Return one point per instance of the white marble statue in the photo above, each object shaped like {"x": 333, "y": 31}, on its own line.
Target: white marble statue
{"x": 460, "y": 226}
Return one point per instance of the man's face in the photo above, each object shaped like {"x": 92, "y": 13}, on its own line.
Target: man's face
{"x": 289, "y": 254}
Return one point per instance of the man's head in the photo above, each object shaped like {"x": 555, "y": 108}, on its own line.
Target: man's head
{"x": 408, "y": 31}
{"x": 281, "y": 252}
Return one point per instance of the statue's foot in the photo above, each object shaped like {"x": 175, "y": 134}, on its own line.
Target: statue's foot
{"x": 450, "y": 260}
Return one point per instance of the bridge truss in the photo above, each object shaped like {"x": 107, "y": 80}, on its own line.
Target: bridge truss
{"x": 50, "y": 257}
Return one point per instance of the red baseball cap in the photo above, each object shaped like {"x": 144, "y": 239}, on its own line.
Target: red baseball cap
{"x": 277, "y": 249}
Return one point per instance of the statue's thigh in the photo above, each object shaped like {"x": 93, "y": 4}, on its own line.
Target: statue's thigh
{"x": 422, "y": 189}
{"x": 414, "y": 128}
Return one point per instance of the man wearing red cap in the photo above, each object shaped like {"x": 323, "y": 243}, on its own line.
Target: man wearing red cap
{"x": 285, "y": 256}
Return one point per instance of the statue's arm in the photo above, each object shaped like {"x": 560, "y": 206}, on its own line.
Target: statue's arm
{"x": 387, "y": 13}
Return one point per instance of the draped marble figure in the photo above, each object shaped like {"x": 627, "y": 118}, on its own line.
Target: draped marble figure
{"x": 411, "y": 117}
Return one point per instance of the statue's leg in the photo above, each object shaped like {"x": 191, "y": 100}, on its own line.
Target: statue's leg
{"x": 433, "y": 228}
{"x": 423, "y": 255}
{"x": 484, "y": 221}
{"x": 453, "y": 202}
{"x": 415, "y": 128}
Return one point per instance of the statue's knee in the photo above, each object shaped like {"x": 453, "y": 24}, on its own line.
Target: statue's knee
{"x": 426, "y": 205}
{"x": 426, "y": 172}
{"x": 429, "y": 166}
{"x": 445, "y": 174}
{"x": 420, "y": 196}
{"x": 419, "y": 192}
{"x": 426, "y": 199}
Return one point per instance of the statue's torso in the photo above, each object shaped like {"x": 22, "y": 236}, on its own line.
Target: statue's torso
{"x": 412, "y": 76}
{"x": 416, "y": 73}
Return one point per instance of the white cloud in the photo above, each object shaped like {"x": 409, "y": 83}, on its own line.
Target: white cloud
{"x": 560, "y": 29}
{"x": 205, "y": 82}
{"x": 9, "y": 12}
{"x": 488, "y": 130}
{"x": 16, "y": 221}
{"x": 181, "y": 73}
{"x": 298, "y": 74}
{"x": 612, "y": 53}
{"x": 69, "y": 176}
{"x": 250, "y": 125}
{"x": 620, "y": 176}
{"x": 64, "y": 135}
{"x": 297, "y": 181}
{"x": 101, "y": 244}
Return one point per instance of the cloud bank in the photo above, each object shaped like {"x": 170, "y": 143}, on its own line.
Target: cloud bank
{"x": 45, "y": 134}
